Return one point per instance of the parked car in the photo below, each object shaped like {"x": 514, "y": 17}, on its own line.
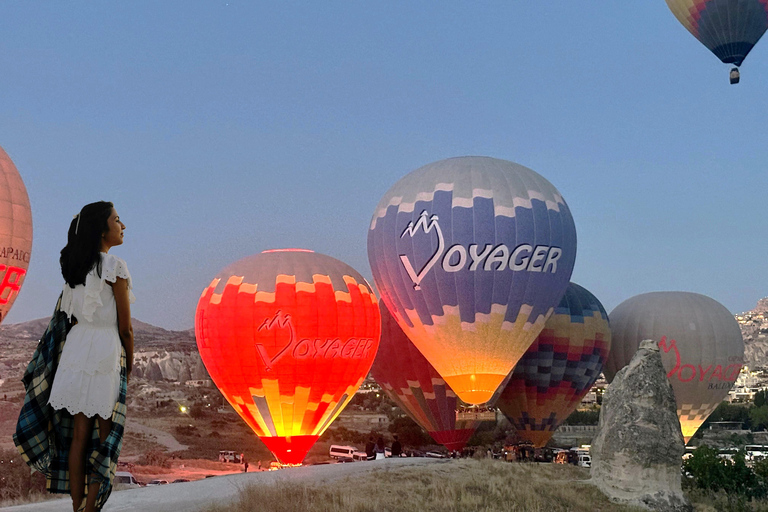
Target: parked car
{"x": 178, "y": 480}
{"x": 157, "y": 482}
{"x": 126, "y": 480}
{"x": 435, "y": 455}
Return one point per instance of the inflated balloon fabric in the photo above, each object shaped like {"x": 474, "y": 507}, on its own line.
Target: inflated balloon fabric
{"x": 729, "y": 28}
{"x": 416, "y": 387}
{"x": 471, "y": 255}
{"x": 288, "y": 337}
{"x": 701, "y": 347}
{"x": 15, "y": 233}
{"x": 560, "y": 367}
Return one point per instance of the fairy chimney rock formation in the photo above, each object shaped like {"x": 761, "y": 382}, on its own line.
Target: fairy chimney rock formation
{"x": 637, "y": 453}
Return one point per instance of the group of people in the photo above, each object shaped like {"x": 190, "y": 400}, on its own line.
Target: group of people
{"x": 377, "y": 450}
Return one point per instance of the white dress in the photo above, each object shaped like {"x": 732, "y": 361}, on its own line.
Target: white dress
{"x": 87, "y": 379}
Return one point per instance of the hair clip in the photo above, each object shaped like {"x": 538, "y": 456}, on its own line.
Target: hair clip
{"x": 78, "y": 222}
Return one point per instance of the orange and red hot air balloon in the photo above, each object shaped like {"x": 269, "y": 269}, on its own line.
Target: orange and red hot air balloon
{"x": 15, "y": 233}
{"x": 288, "y": 337}
{"x": 414, "y": 385}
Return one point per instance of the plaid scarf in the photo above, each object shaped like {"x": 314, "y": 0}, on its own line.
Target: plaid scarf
{"x": 43, "y": 436}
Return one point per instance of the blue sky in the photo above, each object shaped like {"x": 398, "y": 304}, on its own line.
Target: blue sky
{"x": 221, "y": 129}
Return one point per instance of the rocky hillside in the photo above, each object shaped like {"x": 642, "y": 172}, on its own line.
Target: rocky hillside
{"x": 754, "y": 329}
{"x": 160, "y": 354}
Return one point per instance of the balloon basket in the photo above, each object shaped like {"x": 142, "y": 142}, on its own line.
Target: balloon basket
{"x": 735, "y": 76}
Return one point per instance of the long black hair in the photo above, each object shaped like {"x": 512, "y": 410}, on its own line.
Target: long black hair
{"x": 82, "y": 252}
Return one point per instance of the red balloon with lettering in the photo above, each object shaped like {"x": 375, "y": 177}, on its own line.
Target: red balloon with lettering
{"x": 414, "y": 385}
{"x": 15, "y": 233}
{"x": 288, "y": 337}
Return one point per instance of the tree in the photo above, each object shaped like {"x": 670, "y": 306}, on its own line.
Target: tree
{"x": 760, "y": 398}
{"x": 759, "y": 417}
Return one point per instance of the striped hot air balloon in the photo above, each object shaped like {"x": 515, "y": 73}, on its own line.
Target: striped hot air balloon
{"x": 288, "y": 337}
{"x": 729, "y": 28}
{"x": 560, "y": 367}
{"x": 701, "y": 348}
{"x": 15, "y": 233}
{"x": 471, "y": 255}
{"x": 415, "y": 386}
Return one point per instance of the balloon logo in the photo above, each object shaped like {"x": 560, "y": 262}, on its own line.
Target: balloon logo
{"x": 701, "y": 348}
{"x": 471, "y": 255}
{"x": 560, "y": 367}
{"x": 15, "y": 233}
{"x": 288, "y": 337}
{"x": 416, "y": 387}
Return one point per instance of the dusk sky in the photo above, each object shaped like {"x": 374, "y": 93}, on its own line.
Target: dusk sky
{"x": 222, "y": 129}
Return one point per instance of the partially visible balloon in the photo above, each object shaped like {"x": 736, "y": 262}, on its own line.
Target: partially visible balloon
{"x": 729, "y": 28}
{"x": 701, "y": 348}
{"x": 15, "y": 233}
{"x": 471, "y": 255}
{"x": 415, "y": 386}
{"x": 560, "y": 367}
{"x": 288, "y": 337}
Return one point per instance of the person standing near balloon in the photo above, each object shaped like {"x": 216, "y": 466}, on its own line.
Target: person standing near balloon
{"x": 91, "y": 330}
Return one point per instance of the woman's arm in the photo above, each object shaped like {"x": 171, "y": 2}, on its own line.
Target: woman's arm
{"x": 120, "y": 289}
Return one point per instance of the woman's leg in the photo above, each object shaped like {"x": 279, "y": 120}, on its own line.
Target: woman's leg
{"x": 83, "y": 429}
{"x": 93, "y": 489}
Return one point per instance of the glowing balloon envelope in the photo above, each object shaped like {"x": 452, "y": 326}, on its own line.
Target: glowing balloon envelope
{"x": 729, "y": 28}
{"x": 288, "y": 337}
{"x": 701, "y": 348}
{"x": 560, "y": 367}
{"x": 416, "y": 387}
{"x": 471, "y": 255}
{"x": 15, "y": 233}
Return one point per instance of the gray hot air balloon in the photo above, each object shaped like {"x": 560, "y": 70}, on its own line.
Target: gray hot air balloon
{"x": 701, "y": 348}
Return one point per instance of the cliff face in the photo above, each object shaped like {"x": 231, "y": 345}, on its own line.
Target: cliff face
{"x": 754, "y": 329}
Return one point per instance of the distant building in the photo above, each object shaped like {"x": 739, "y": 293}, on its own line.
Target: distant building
{"x": 199, "y": 383}
{"x": 726, "y": 425}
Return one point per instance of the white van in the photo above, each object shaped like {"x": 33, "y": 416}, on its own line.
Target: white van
{"x": 338, "y": 451}
{"x": 585, "y": 460}
{"x": 125, "y": 480}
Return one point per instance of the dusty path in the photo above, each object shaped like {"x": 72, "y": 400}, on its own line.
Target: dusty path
{"x": 194, "y": 496}
{"x": 161, "y": 437}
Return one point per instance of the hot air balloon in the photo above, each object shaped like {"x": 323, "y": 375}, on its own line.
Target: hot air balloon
{"x": 471, "y": 255}
{"x": 416, "y": 387}
{"x": 15, "y": 233}
{"x": 560, "y": 367}
{"x": 729, "y": 28}
{"x": 701, "y": 348}
{"x": 288, "y": 337}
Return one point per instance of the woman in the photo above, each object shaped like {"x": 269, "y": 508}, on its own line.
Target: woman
{"x": 96, "y": 298}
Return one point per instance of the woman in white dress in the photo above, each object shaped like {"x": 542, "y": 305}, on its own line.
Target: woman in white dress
{"x": 97, "y": 296}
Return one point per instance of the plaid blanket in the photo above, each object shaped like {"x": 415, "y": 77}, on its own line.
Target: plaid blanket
{"x": 43, "y": 436}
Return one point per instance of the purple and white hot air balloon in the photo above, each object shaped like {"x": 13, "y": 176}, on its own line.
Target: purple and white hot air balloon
{"x": 471, "y": 255}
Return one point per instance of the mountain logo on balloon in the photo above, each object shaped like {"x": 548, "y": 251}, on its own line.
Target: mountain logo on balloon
{"x": 279, "y": 321}
{"x": 524, "y": 257}
{"x": 426, "y": 223}
{"x": 688, "y": 372}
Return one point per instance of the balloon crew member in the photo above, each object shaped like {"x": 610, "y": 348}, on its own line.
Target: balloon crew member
{"x": 370, "y": 451}
{"x": 380, "y": 448}
{"x": 397, "y": 448}
{"x": 71, "y": 425}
